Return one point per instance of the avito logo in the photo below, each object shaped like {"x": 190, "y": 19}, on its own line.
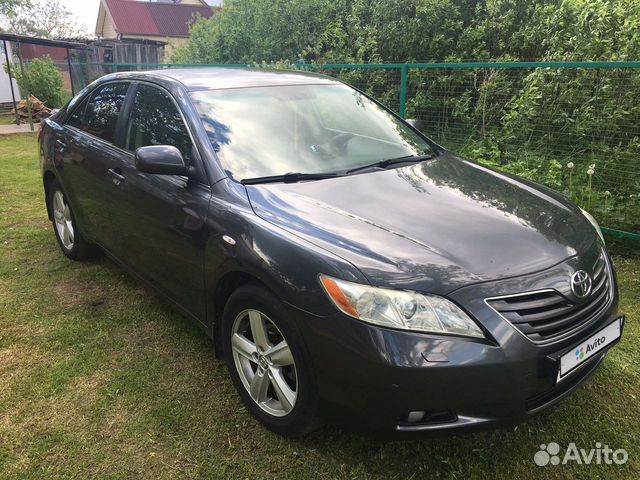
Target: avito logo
{"x": 550, "y": 454}
{"x": 581, "y": 353}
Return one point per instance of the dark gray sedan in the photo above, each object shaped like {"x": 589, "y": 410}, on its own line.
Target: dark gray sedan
{"x": 344, "y": 265}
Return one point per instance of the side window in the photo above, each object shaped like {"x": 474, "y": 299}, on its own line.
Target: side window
{"x": 101, "y": 113}
{"x": 77, "y": 119}
{"x": 155, "y": 120}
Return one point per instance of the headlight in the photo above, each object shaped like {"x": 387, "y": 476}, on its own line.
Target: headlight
{"x": 594, "y": 223}
{"x": 399, "y": 309}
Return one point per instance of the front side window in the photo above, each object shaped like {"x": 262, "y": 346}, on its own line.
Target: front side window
{"x": 100, "y": 116}
{"x": 77, "y": 118}
{"x": 265, "y": 131}
{"x": 155, "y": 120}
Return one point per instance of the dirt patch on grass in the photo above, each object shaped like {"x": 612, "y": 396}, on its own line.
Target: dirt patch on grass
{"x": 73, "y": 293}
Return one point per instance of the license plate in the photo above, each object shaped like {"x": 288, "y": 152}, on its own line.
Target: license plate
{"x": 582, "y": 352}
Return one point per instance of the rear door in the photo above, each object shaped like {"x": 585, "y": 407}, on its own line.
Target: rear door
{"x": 92, "y": 160}
{"x": 160, "y": 228}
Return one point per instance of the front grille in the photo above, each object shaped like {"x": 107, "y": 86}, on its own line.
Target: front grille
{"x": 545, "y": 315}
{"x": 544, "y": 398}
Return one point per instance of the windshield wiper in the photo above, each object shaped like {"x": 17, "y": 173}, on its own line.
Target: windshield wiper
{"x": 392, "y": 161}
{"x": 294, "y": 177}
{"x": 291, "y": 177}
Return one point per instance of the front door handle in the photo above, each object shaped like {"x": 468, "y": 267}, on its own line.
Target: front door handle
{"x": 118, "y": 178}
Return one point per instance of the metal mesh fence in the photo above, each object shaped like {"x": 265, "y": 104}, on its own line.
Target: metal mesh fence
{"x": 575, "y": 130}
{"x": 574, "y": 127}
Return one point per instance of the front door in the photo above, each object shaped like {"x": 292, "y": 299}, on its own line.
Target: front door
{"x": 161, "y": 230}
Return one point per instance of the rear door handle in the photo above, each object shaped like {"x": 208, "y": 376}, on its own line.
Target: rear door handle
{"x": 118, "y": 178}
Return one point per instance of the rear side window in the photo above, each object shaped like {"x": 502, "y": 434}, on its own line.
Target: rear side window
{"x": 155, "y": 120}
{"x": 100, "y": 115}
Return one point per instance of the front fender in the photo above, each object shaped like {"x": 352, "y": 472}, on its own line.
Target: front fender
{"x": 286, "y": 263}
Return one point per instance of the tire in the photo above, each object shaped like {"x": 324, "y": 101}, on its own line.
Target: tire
{"x": 289, "y": 412}
{"x": 66, "y": 230}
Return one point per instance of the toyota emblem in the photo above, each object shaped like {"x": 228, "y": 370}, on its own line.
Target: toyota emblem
{"x": 581, "y": 284}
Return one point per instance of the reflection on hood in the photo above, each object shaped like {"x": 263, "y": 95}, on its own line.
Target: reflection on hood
{"x": 433, "y": 226}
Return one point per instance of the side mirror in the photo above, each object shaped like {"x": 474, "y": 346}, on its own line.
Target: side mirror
{"x": 161, "y": 160}
{"x": 415, "y": 123}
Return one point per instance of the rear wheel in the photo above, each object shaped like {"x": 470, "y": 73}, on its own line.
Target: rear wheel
{"x": 268, "y": 362}
{"x": 71, "y": 241}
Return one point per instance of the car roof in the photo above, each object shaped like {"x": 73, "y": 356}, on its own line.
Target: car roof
{"x": 214, "y": 78}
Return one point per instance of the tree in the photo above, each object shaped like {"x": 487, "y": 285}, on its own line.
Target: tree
{"x": 8, "y": 7}
{"x": 270, "y": 30}
{"x": 42, "y": 18}
{"x": 43, "y": 80}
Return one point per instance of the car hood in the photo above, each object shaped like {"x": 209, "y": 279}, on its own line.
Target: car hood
{"x": 433, "y": 226}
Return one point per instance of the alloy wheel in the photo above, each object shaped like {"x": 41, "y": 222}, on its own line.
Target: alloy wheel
{"x": 264, "y": 362}
{"x": 62, "y": 217}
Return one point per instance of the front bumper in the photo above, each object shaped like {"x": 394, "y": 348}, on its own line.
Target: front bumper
{"x": 374, "y": 377}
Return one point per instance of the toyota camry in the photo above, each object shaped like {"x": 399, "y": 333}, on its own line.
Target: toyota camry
{"x": 344, "y": 265}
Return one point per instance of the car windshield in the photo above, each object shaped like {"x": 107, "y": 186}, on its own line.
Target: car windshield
{"x": 268, "y": 131}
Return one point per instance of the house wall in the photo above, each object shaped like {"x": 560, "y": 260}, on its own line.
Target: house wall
{"x": 5, "y": 86}
{"x": 105, "y": 26}
{"x": 109, "y": 28}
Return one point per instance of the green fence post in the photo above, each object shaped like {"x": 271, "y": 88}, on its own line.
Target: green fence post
{"x": 404, "y": 71}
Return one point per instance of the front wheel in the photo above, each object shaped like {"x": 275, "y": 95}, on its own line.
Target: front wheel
{"x": 71, "y": 241}
{"x": 268, "y": 362}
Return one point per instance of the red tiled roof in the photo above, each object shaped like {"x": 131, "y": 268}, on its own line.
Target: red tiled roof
{"x": 153, "y": 18}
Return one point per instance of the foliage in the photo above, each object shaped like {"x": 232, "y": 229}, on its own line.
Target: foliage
{"x": 367, "y": 30}
{"x": 41, "y": 18}
{"x": 8, "y": 7}
{"x": 43, "y": 80}
{"x": 531, "y": 122}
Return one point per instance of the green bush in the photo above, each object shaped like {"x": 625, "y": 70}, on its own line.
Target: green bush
{"x": 42, "y": 79}
{"x": 530, "y": 122}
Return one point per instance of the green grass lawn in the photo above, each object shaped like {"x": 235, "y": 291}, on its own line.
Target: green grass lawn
{"x": 7, "y": 119}
{"x": 101, "y": 379}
